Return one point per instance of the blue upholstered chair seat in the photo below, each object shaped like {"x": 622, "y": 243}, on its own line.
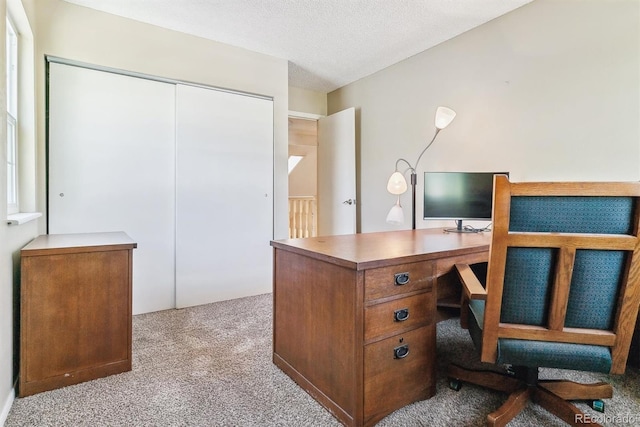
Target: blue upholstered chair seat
{"x": 534, "y": 354}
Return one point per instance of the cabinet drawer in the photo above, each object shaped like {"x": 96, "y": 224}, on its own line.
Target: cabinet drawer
{"x": 411, "y": 377}
{"x": 392, "y": 317}
{"x": 397, "y": 279}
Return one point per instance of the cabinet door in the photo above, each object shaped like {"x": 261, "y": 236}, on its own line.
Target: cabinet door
{"x": 111, "y": 167}
{"x": 224, "y": 189}
{"x": 75, "y": 318}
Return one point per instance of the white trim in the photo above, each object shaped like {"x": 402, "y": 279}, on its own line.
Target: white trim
{"x": 307, "y": 116}
{"x": 8, "y": 403}
{"x": 18, "y": 16}
{"x": 73, "y": 63}
{"x": 13, "y": 147}
{"x": 22, "y": 218}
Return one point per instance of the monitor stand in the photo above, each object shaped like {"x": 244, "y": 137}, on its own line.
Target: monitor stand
{"x": 460, "y": 229}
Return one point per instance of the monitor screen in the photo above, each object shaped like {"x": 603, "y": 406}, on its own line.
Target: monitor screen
{"x": 458, "y": 195}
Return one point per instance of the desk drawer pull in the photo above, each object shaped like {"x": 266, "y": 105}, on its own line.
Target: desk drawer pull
{"x": 401, "y": 352}
{"x": 401, "y": 315}
{"x": 401, "y": 278}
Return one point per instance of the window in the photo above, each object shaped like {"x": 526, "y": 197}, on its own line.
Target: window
{"x": 21, "y": 122}
{"x": 293, "y": 162}
{"x": 12, "y": 119}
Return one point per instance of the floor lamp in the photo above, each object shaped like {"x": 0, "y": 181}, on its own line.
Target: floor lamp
{"x": 397, "y": 184}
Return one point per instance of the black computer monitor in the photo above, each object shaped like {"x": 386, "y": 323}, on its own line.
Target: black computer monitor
{"x": 459, "y": 196}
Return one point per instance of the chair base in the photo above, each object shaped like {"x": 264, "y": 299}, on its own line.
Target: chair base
{"x": 523, "y": 386}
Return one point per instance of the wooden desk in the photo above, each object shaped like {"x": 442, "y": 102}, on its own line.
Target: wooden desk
{"x": 348, "y": 330}
{"x": 75, "y": 309}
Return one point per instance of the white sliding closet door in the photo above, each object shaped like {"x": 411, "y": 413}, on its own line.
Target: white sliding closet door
{"x": 224, "y": 202}
{"x": 112, "y": 168}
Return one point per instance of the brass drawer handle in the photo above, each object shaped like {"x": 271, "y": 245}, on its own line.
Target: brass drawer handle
{"x": 401, "y": 352}
{"x": 401, "y": 278}
{"x": 401, "y": 315}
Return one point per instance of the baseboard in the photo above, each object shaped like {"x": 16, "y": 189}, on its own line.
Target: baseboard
{"x": 6, "y": 406}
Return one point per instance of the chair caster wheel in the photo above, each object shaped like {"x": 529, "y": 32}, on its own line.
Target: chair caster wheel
{"x": 597, "y": 405}
{"x": 455, "y": 384}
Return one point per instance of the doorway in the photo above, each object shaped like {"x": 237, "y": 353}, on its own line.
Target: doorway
{"x": 322, "y": 184}
{"x": 303, "y": 177}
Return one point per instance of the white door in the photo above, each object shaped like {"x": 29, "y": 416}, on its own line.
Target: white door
{"x": 111, "y": 168}
{"x": 337, "y": 173}
{"x": 224, "y": 186}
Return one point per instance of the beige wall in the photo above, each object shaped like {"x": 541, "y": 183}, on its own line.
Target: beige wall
{"x": 307, "y": 101}
{"x": 303, "y": 141}
{"x": 303, "y": 180}
{"x": 550, "y": 91}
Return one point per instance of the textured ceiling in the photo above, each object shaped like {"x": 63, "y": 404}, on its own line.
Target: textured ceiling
{"x": 328, "y": 43}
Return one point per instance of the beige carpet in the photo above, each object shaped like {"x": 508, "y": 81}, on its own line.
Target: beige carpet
{"x": 211, "y": 366}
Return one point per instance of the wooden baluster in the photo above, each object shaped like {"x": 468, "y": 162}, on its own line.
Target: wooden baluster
{"x": 290, "y": 218}
{"x": 305, "y": 231}
{"x": 296, "y": 205}
{"x": 295, "y": 219}
{"x": 315, "y": 218}
{"x": 302, "y": 217}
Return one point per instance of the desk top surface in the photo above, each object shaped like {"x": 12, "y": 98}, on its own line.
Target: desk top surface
{"x": 77, "y": 242}
{"x": 366, "y": 250}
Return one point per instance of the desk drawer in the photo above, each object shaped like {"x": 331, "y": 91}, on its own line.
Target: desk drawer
{"x": 391, "y": 382}
{"x": 397, "y": 279}
{"x": 392, "y": 317}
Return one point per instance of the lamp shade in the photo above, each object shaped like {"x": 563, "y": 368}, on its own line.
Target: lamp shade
{"x": 396, "y": 214}
{"x": 397, "y": 184}
{"x": 444, "y": 116}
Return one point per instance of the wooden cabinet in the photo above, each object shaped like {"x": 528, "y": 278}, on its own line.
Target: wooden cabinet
{"x": 75, "y": 309}
{"x": 355, "y": 315}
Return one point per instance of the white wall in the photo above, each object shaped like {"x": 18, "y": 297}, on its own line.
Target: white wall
{"x": 550, "y": 91}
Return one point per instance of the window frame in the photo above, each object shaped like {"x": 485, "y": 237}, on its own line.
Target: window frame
{"x": 12, "y": 143}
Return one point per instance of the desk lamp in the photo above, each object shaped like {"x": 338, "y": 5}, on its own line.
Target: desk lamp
{"x": 397, "y": 184}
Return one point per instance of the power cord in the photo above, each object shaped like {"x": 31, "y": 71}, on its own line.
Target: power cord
{"x": 466, "y": 228}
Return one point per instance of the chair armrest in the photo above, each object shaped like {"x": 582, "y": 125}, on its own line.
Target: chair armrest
{"x": 471, "y": 286}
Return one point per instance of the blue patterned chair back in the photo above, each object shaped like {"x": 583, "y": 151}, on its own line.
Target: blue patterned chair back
{"x": 597, "y": 274}
{"x": 563, "y": 283}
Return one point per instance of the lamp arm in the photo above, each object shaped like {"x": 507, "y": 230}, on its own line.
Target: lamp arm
{"x": 411, "y": 168}
{"x": 425, "y": 148}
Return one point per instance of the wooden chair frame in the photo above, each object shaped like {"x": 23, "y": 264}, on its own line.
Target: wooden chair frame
{"x": 525, "y": 386}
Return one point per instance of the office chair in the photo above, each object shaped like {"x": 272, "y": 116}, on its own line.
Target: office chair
{"x": 562, "y": 291}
